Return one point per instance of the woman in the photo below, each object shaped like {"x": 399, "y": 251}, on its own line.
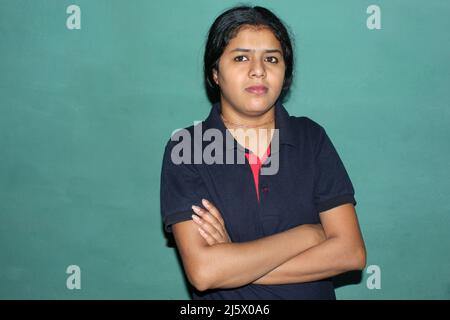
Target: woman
{"x": 280, "y": 223}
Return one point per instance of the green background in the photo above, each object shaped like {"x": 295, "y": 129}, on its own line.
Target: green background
{"x": 85, "y": 115}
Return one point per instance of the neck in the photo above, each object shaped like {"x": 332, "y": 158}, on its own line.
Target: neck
{"x": 264, "y": 125}
{"x": 253, "y": 133}
{"x": 235, "y": 120}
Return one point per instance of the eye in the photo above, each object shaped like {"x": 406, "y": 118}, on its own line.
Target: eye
{"x": 239, "y": 58}
{"x": 272, "y": 59}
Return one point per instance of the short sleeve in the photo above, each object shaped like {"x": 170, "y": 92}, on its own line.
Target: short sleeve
{"x": 181, "y": 187}
{"x": 332, "y": 185}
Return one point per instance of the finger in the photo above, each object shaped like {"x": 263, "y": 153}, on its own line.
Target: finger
{"x": 210, "y": 229}
{"x": 213, "y": 210}
{"x": 206, "y": 236}
{"x": 216, "y": 213}
{"x": 208, "y": 217}
{"x": 215, "y": 235}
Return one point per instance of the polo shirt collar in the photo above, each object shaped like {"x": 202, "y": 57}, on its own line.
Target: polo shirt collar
{"x": 282, "y": 122}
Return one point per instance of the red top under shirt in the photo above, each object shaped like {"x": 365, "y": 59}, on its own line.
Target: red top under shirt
{"x": 255, "y": 165}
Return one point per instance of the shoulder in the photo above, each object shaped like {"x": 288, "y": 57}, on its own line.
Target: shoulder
{"x": 183, "y": 147}
{"x": 306, "y": 122}
{"x": 186, "y": 136}
{"x": 306, "y": 128}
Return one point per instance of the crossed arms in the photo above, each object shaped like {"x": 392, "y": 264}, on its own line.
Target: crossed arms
{"x": 301, "y": 254}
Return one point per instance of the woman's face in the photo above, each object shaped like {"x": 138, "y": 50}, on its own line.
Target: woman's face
{"x": 253, "y": 58}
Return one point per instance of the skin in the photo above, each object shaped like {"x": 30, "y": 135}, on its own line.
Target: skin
{"x": 262, "y": 64}
{"x": 209, "y": 257}
{"x": 315, "y": 263}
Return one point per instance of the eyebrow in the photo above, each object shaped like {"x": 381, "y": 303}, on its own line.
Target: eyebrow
{"x": 249, "y": 50}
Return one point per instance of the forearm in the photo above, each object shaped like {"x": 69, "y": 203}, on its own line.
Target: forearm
{"x": 327, "y": 259}
{"x": 231, "y": 265}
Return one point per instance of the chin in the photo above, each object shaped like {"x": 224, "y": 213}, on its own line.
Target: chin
{"x": 258, "y": 107}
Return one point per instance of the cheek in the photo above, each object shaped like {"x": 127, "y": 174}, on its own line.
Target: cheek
{"x": 280, "y": 70}
{"x": 233, "y": 77}
{"x": 280, "y": 76}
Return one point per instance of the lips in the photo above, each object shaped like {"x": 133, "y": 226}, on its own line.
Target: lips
{"x": 257, "y": 89}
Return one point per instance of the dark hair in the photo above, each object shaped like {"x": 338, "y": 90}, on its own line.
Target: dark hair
{"x": 226, "y": 26}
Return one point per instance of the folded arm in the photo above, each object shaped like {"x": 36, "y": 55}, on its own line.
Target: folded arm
{"x": 231, "y": 265}
{"x": 342, "y": 251}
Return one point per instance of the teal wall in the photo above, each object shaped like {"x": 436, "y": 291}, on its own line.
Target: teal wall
{"x": 85, "y": 114}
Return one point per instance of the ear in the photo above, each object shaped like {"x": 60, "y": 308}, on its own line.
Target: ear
{"x": 215, "y": 76}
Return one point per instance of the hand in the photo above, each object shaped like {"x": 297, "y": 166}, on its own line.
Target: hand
{"x": 210, "y": 222}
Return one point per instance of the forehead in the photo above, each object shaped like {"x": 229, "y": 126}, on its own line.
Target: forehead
{"x": 251, "y": 37}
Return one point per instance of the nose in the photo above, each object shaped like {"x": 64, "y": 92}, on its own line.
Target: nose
{"x": 257, "y": 69}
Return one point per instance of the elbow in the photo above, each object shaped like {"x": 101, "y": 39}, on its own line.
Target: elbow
{"x": 199, "y": 279}
{"x": 202, "y": 271}
{"x": 200, "y": 284}
{"x": 204, "y": 280}
{"x": 353, "y": 255}
{"x": 359, "y": 260}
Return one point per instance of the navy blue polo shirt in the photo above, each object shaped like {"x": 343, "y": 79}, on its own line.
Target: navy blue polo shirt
{"x": 311, "y": 178}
